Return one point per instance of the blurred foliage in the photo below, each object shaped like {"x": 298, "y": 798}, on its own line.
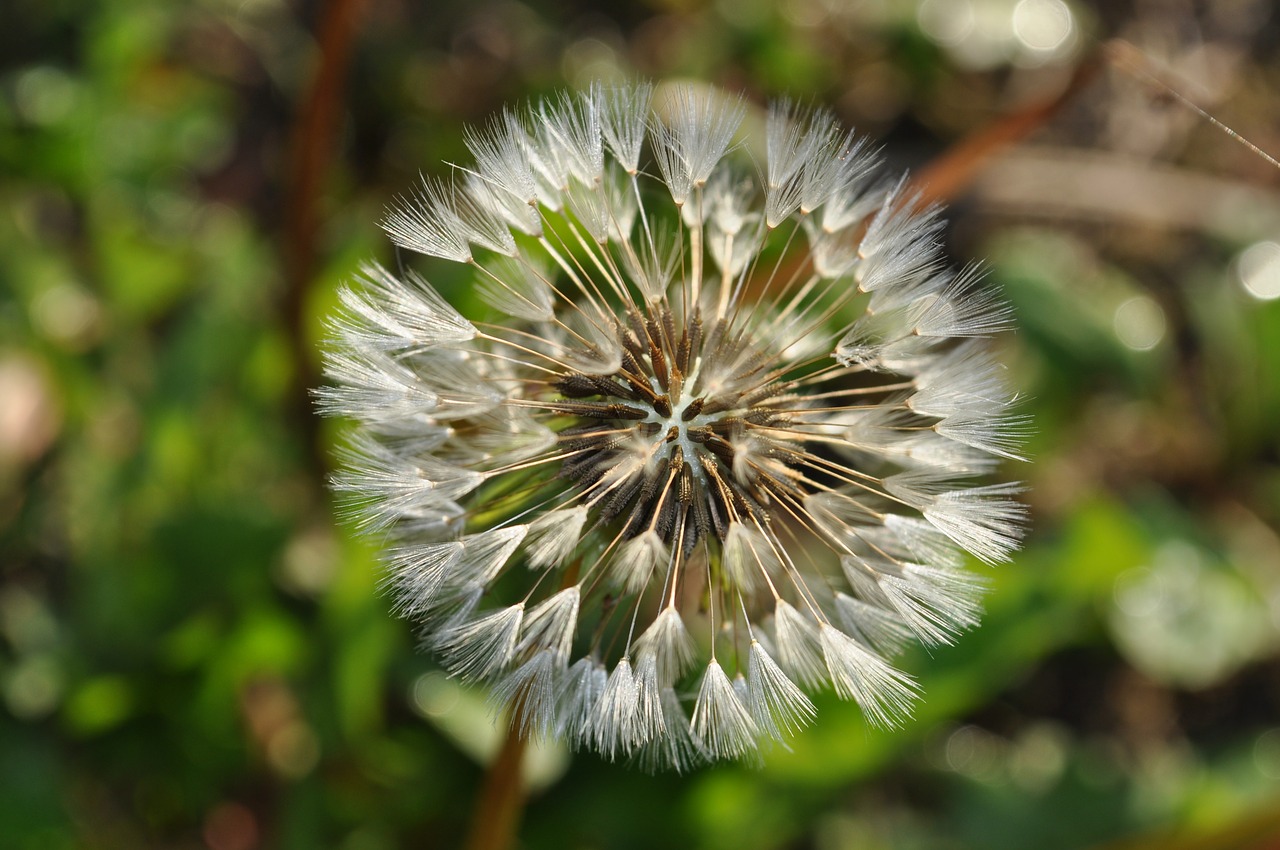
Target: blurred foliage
{"x": 194, "y": 654}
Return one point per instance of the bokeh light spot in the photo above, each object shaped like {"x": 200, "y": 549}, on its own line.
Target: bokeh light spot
{"x": 1266, "y": 754}
{"x": 68, "y": 315}
{"x": 1259, "y": 270}
{"x": 29, "y": 417}
{"x": 435, "y": 694}
{"x": 1139, "y": 323}
{"x": 945, "y": 21}
{"x": 1043, "y": 26}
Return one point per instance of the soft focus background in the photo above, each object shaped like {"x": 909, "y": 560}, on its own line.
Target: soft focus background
{"x": 193, "y": 654}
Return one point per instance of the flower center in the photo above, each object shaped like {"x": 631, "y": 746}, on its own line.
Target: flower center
{"x": 685, "y": 416}
{"x": 684, "y": 438}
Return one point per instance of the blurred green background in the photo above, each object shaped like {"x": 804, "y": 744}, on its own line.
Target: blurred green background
{"x": 194, "y": 655}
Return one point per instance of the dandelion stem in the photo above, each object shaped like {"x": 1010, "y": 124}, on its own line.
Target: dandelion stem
{"x": 497, "y": 813}
{"x": 312, "y": 149}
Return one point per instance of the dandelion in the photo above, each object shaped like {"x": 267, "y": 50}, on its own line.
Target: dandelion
{"x": 710, "y": 437}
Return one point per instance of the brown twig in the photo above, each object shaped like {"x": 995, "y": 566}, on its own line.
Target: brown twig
{"x": 311, "y": 151}
{"x": 953, "y": 171}
{"x": 497, "y": 812}
{"x": 949, "y": 174}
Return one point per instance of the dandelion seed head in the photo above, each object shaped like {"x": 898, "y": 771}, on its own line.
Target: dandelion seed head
{"x": 717, "y": 443}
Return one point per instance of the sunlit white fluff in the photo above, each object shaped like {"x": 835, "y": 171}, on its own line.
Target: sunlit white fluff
{"x": 858, "y": 673}
{"x": 716, "y": 439}
{"x": 530, "y": 691}
{"x": 778, "y": 707}
{"x": 582, "y": 687}
{"x": 721, "y": 723}
{"x": 796, "y": 640}
{"x": 479, "y": 646}
{"x": 387, "y": 313}
{"x": 617, "y": 724}
{"x": 624, "y": 118}
{"x": 554, "y": 535}
{"x": 668, "y": 642}
{"x": 550, "y": 625}
{"x": 698, "y": 126}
